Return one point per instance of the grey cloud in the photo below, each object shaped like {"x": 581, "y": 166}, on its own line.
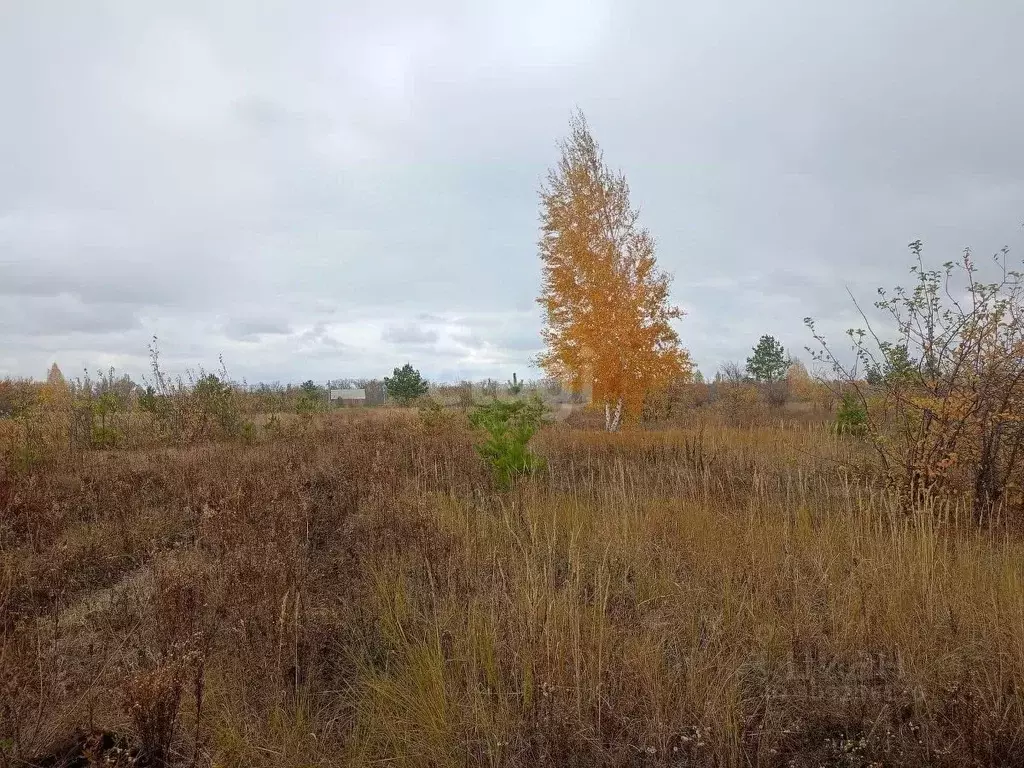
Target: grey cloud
{"x": 471, "y": 339}
{"x": 378, "y": 173}
{"x": 320, "y": 336}
{"x": 430, "y": 317}
{"x": 253, "y": 328}
{"x": 410, "y": 335}
{"x": 63, "y": 316}
{"x": 509, "y": 340}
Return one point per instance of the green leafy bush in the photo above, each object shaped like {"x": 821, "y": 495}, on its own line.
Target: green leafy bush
{"x": 509, "y": 425}
{"x": 214, "y": 403}
{"x": 148, "y": 400}
{"x": 104, "y": 435}
{"x": 313, "y": 399}
{"x": 205, "y": 406}
{"x": 852, "y": 416}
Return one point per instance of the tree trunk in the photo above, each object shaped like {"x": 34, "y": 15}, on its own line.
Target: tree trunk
{"x": 612, "y": 419}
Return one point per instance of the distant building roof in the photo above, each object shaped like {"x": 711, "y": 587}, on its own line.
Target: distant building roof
{"x": 348, "y": 394}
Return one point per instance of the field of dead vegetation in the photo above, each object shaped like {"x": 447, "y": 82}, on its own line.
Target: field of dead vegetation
{"x": 359, "y": 592}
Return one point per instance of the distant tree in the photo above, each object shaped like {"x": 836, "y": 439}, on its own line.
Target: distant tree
{"x": 148, "y": 400}
{"x": 515, "y": 386}
{"x": 608, "y": 317}
{"x": 769, "y": 361}
{"x": 730, "y": 373}
{"x": 55, "y": 378}
{"x": 55, "y": 394}
{"x": 698, "y": 377}
{"x": 312, "y": 398}
{"x": 16, "y": 397}
{"x": 799, "y": 382}
{"x": 896, "y": 365}
{"x": 852, "y": 416}
{"x": 405, "y": 384}
{"x": 105, "y": 406}
{"x": 311, "y": 389}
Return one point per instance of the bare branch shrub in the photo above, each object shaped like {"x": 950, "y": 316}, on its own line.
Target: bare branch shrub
{"x": 946, "y": 418}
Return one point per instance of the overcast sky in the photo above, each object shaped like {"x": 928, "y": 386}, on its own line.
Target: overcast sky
{"x": 328, "y": 189}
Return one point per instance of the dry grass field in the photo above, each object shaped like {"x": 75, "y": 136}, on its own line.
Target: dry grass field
{"x": 358, "y": 593}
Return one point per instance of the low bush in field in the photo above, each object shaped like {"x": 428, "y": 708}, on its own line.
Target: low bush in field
{"x": 852, "y": 416}
{"x": 509, "y": 425}
{"x": 941, "y": 403}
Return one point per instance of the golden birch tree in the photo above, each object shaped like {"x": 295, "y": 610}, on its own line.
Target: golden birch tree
{"x": 608, "y": 317}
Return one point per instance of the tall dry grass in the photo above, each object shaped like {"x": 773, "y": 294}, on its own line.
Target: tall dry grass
{"x": 358, "y": 593}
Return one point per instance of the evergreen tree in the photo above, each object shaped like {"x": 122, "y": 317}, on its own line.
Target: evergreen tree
{"x": 769, "y": 361}
{"x": 405, "y": 384}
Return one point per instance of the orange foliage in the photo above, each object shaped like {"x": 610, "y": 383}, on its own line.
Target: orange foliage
{"x": 799, "y": 383}
{"x": 607, "y": 311}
